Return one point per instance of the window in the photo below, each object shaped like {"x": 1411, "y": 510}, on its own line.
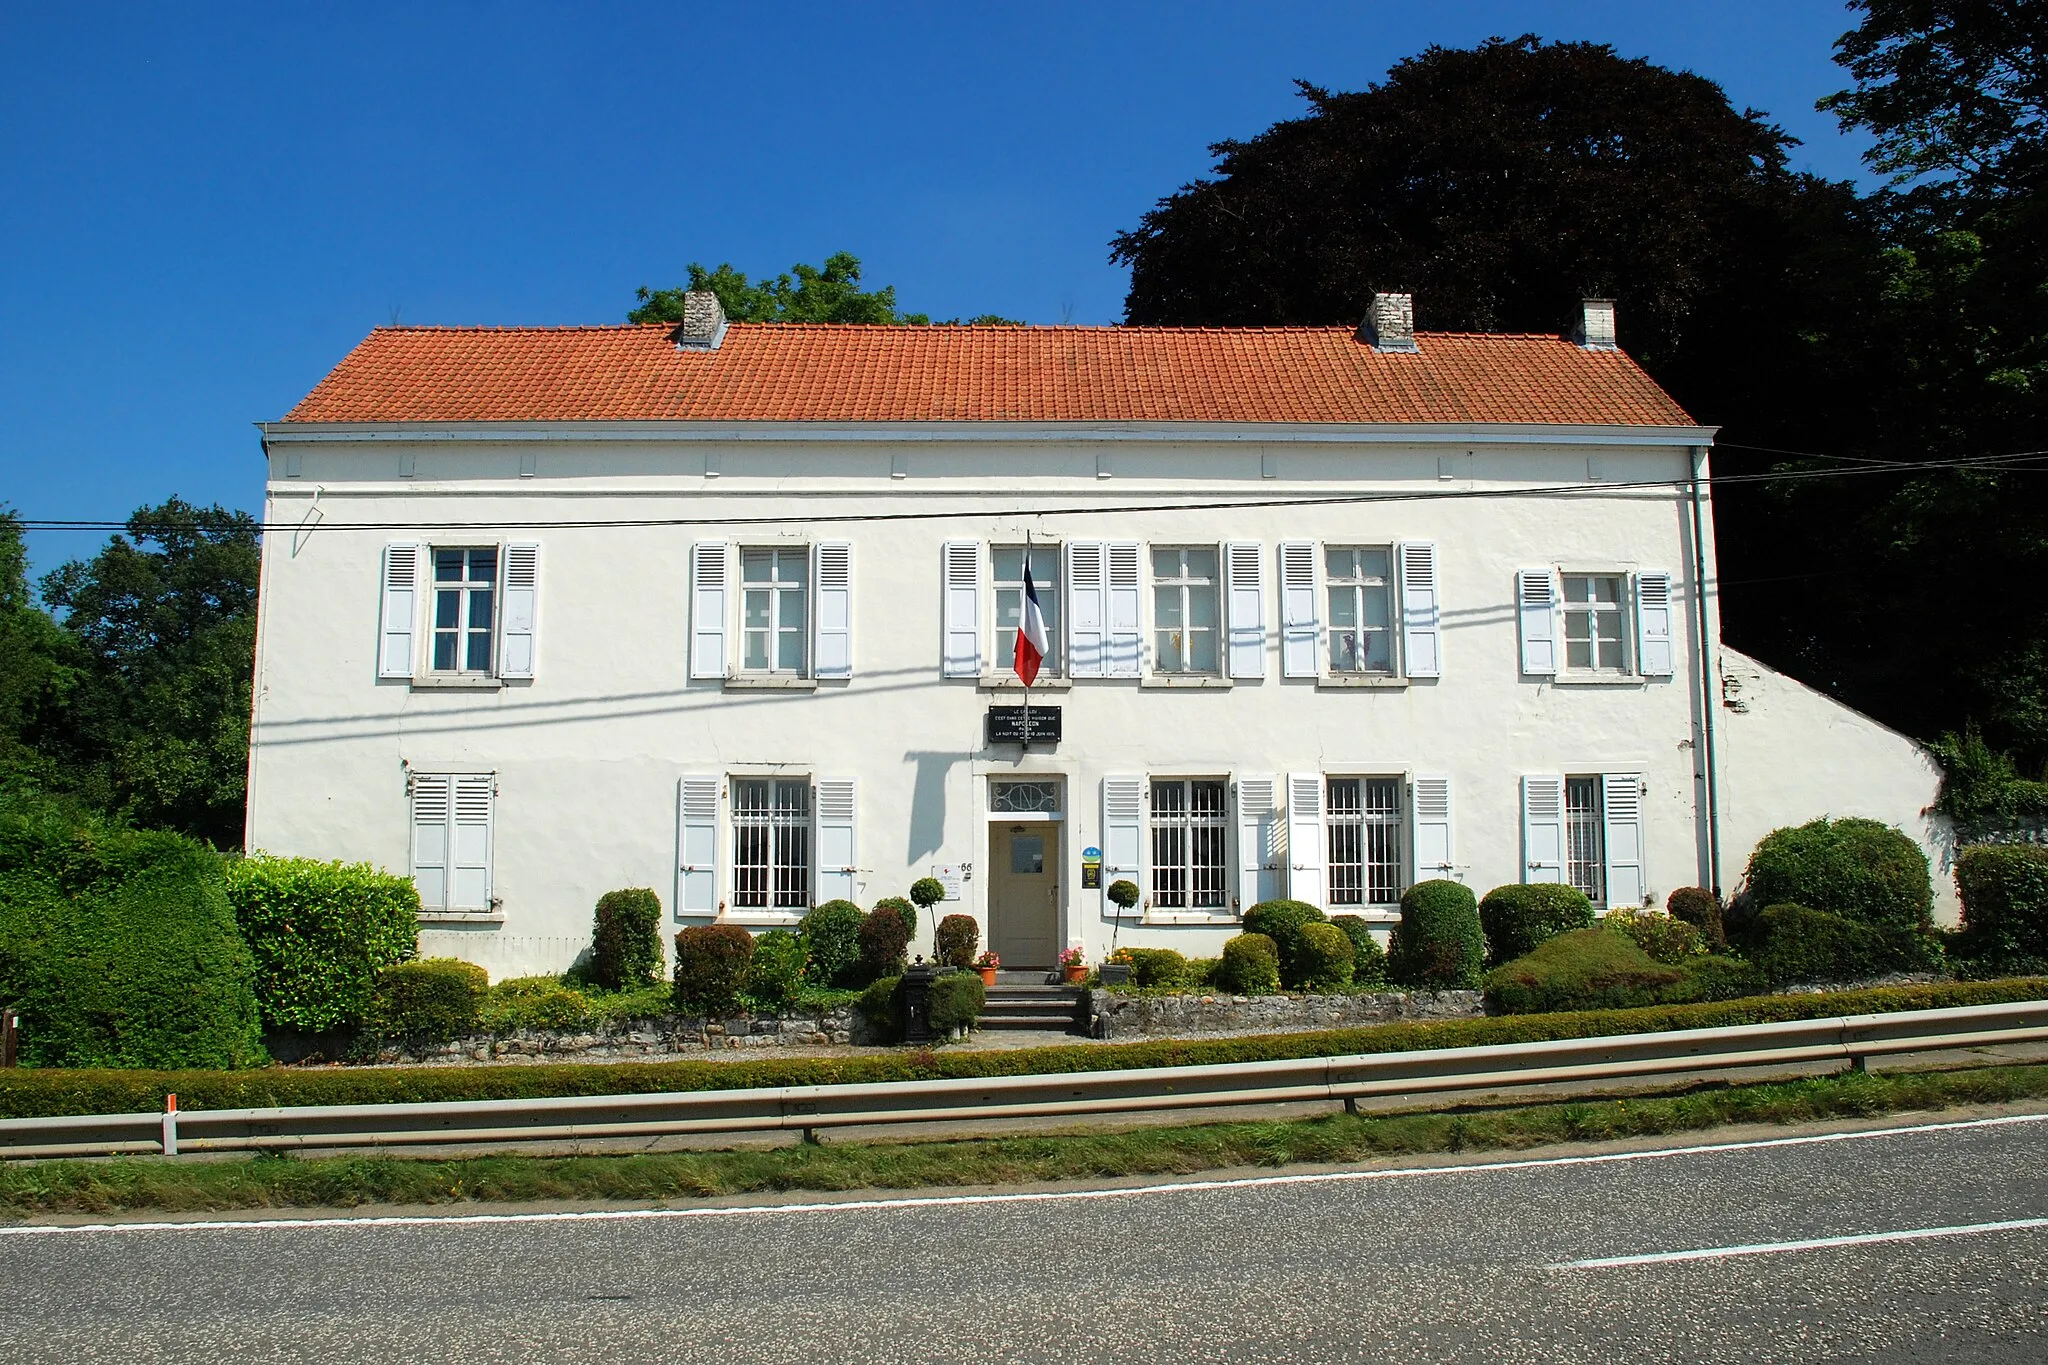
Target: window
{"x": 1365, "y": 863}
{"x": 451, "y": 841}
{"x": 1184, "y": 609}
{"x": 465, "y": 609}
{"x": 775, "y": 613}
{"x": 1359, "y": 583}
{"x": 1024, "y": 798}
{"x": 1593, "y": 620}
{"x": 1009, "y": 584}
{"x": 1190, "y": 825}
{"x": 1585, "y": 841}
{"x": 771, "y": 844}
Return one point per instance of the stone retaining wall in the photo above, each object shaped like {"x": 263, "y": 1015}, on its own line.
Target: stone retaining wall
{"x": 1117, "y": 1015}
{"x": 642, "y": 1040}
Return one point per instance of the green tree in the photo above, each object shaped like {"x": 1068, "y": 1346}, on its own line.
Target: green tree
{"x": 37, "y": 664}
{"x": 828, "y": 293}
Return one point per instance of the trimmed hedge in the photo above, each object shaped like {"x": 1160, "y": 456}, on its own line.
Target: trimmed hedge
{"x": 1700, "y": 908}
{"x": 625, "y": 944}
{"x": 319, "y": 932}
{"x": 1858, "y": 869}
{"x": 433, "y": 1000}
{"x": 775, "y": 972}
{"x": 1438, "y": 943}
{"x": 1251, "y": 966}
{"x": 1324, "y": 957}
{"x": 1368, "y": 959}
{"x": 2005, "y": 901}
{"x": 711, "y": 967}
{"x": 877, "y": 1005}
{"x": 956, "y": 941}
{"x": 1598, "y": 969}
{"x": 1156, "y": 966}
{"x": 30, "y": 1093}
{"x": 534, "y": 1002}
{"x": 832, "y": 937}
{"x": 1282, "y": 921}
{"x": 1517, "y": 917}
{"x": 1798, "y": 943}
{"x": 1666, "y": 938}
{"x": 957, "y": 998}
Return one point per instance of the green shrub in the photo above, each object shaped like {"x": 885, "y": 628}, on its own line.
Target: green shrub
{"x": 1597, "y": 969}
{"x": 1438, "y": 943}
{"x": 1665, "y": 938}
{"x": 534, "y": 1002}
{"x": 432, "y": 1000}
{"x": 1701, "y": 909}
{"x": 775, "y": 973}
{"x": 1518, "y": 916}
{"x": 957, "y": 998}
{"x": 831, "y": 934}
{"x": 711, "y": 967}
{"x": 2005, "y": 901}
{"x": 652, "y": 1002}
{"x": 318, "y": 933}
{"x": 119, "y": 947}
{"x": 1250, "y": 966}
{"x": 1281, "y": 921}
{"x": 926, "y": 892}
{"x": 625, "y": 946}
{"x": 956, "y": 941}
{"x": 1798, "y": 943}
{"x": 1156, "y": 967}
{"x": 904, "y": 910}
{"x": 1201, "y": 971}
{"x": 1368, "y": 959}
{"x": 1325, "y": 957}
{"x": 877, "y": 1005}
{"x": 1858, "y": 869}
{"x": 885, "y": 936}
{"x": 1717, "y": 976}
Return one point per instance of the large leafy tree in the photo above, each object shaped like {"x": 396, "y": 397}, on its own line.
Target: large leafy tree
{"x": 37, "y": 666}
{"x": 828, "y": 293}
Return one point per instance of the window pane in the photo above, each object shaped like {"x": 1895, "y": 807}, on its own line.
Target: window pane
{"x": 1578, "y": 654}
{"x": 1577, "y": 589}
{"x": 1166, "y": 607}
{"x": 1202, "y": 608}
{"x": 1344, "y": 606}
{"x": 481, "y": 605}
{"x": 756, "y": 566}
{"x": 1379, "y": 652}
{"x": 1009, "y": 563}
{"x": 792, "y": 566}
{"x": 790, "y": 651}
{"x": 1202, "y": 652}
{"x": 479, "y": 660}
{"x": 1027, "y": 854}
{"x": 1379, "y": 610}
{"x": 447, "y": 609}
{"x": 1339, "y": 563}
{"x": 444, "y": 651}
{"x": 1169, "y": 648}
{"x": 1201, "y": 561}
{"x": 483, "y": 566}
{"x": 1165, "y": 562}
{"x": 1372, "y": 564}
{"x": 1607, "y": 589}
{"x": 447, "y": 566}
{"x": 790, "y": 612}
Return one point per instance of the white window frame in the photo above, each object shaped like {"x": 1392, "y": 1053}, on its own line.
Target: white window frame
{"x": 1218, "y": 628}
{"x": 1389, "y": 586}
{"x": 1622, "y": 612}
{"x": 467, "y": 589}
{"x": 790, "y": 843}
{"x": 1190, "y": 886}
{"x": 775, "y": 590}
{"x": 1051, "y": 601}
{"x": 1389, "y": 821}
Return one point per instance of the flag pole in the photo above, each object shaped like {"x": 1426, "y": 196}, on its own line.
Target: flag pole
{"x": 1023, "y": 608}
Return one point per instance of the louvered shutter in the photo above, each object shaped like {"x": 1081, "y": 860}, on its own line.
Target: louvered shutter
{"x": 1258, "y": 838}
{"x": 400, "y": 609}
{"x": 1543, "y": 829}
{"x": 1653, "y": 625}
{"x": 1430, "y": 823}
{"x": 837, "y": 860}
{"x": 1123, "y": 840}
{"x": 517, "y": 645}
{"x": 1305, "y": 837}
{"x": 832, "y": 645}
{"x": 1247, "y": 613}
{"x": 710, "y": 573}
{"x": 469, "y": 843}
{"x": 1536, "y": 610}
{"x": 1126, "y": 639}
{"x": 1087, "y": 609}
{"x": 430, "y": 840}
{"x": 961, "y": 645}
{"x": 697, "y": 846}
{"x": 1622, "y": 802}
{"x": 1421, "y": 629}
{"x": 1300, "y": 629}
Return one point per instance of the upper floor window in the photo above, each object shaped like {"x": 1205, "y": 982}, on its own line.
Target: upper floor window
{"x": 1359, "y": 583}
{"x": 1190, "y": 833}
{"x": 771, "y": 843}
{"x": 775, "y": 618}
{"x": 1008, "y": 564}
{"x": 1594, "y": 624}
{"x": 465, "y": 609}
{"x": 1364, "y": 820}
{"x": 1184, "y": 609}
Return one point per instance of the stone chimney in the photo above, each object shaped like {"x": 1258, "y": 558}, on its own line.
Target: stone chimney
{"x": 1595, "y": 331}
{"x": 703, "y": 322}
{"x": 1390, "y": 323}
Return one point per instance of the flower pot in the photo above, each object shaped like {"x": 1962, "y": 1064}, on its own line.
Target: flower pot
{"x": 1076, "y": 973}
{"x": 988, "y": 975}
{"x": 1116, "y": 973}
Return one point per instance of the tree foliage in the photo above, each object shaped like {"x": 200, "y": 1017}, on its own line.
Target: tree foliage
{"x": 828, "y": 293}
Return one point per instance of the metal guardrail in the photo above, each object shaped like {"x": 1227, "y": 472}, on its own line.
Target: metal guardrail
{"x": 1851, "y": 1039}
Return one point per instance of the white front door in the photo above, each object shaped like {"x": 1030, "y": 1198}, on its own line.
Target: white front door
{"x": 1024, "y": 893}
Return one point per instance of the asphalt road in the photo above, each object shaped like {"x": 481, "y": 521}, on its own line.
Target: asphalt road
{"x": 1428, "y": 1262}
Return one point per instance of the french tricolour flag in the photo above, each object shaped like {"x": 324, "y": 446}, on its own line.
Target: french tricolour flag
{"x": 1031, "y": 641}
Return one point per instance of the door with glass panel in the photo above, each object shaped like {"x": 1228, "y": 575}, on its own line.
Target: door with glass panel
{"x": 1023, "y": 894}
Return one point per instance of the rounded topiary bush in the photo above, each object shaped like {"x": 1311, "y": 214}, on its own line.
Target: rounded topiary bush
{"x": 433, "y": 1000}
{"x": 625, "y": 945}
{"x": 1123, "y": 894}
{"x": 957, "y": 999}
{"x": 1250, "y": 966}
{"x": 831, "y": 934}
{"x": 1518, "y": 916}
{"x": 1156, "y": 966}
{"x": 1282, "y": 921}
{"x": 775, "y": 973}
{"x": 1438, "y": 943}
{"x": 1858, "y": 869}
{"x": 1324, "y": 957}
{"x": 1701, "y": 909}
{"x": 926, "y": 892}
{"x": 2005, "y": 902}
{"x": 1368, "y": 959}
{"x": 956, "y": 941}
{"x": 885, "y": 935}
{"x": 711, "y": 967}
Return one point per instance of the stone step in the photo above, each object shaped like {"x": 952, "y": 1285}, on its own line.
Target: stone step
{"x": 1055, "y": 1027}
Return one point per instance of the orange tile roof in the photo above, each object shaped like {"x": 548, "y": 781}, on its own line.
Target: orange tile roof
{"x": 801, "y": 372}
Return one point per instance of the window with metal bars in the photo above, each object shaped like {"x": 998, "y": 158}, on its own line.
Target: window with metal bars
{"x": 1585, "y": 837}
{"x": 1363, "y": 815}
{"x": 771, "y": 843}
{"x": 1190, "y": 837}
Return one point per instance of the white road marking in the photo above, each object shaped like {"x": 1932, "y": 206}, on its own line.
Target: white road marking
{"x": 1030, "y": 1197}
{"x": 1810, "y": 1244}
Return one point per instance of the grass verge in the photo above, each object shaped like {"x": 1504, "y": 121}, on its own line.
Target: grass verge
{"x": 96, "y": 1187}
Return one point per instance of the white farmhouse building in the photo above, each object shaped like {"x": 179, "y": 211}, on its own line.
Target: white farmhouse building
{"x": 729, "y": 610}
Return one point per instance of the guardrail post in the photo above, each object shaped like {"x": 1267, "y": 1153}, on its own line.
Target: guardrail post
{"x": 10, "y": 1023}
{"x": 170, "y": 1125}
{"x": 1351, "y": 1105}
{"x": 1859, "y": 1064}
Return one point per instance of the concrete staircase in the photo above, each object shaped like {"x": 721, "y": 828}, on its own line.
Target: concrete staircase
{"x": 1022, "y": 1002}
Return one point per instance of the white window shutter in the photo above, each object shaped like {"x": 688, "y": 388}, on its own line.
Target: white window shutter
{"x": 430, "y": 840}
{"x": 399, "y": 612}
{"x": 1622, "y": 799}
{"x": 838, "y": 863}
{"x": 1126, "y": 638}
{"x": 1300, "y": 628}
{"x": 961, "y": 642}
{"x": 710, "y": 575}
{"x": 1247, "y": 609}
{"x": 697, "y": 846}
{"x": 1536, "y": 609}
{"x": 1543, "y": 829}
{"x": 1087, "y": 610}
{"x": 1430, "y": 821}
{"x": 1305, "y": 838}
{"x": 832, "y": 621}
{"x": 1653, "y": 625}
{"x": 521, "y": 635}
{"x": 469, "y": 843}
{"x": 1421, "y": 628}
{"x": 1258, "y": 838}
{"x": 1123, "y": 840}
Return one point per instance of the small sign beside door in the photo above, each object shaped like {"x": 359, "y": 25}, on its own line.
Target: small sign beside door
{"x": 1091, "y": 869}
{"x": 954, "y": 879}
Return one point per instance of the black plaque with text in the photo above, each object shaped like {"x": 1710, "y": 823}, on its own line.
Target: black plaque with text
{"x": 1006, "y": 725}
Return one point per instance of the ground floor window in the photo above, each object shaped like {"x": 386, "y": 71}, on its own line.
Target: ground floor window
{"x": 1585, "y": 840}
{"x": 451, "y": 840}
{"x": 1190, "y": 835}
{"x": 771, "y": 826}
{"x": 1365, "y": 866}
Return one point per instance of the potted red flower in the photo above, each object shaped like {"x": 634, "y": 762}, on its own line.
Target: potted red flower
{"x": 1074, "y": 965}
{"x": 986, "y": 964}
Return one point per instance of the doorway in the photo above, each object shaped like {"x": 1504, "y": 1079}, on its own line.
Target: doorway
{"x": 1024, "y": 893}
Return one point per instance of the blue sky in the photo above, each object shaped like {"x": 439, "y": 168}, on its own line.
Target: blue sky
{"x": 202, "y": 208}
